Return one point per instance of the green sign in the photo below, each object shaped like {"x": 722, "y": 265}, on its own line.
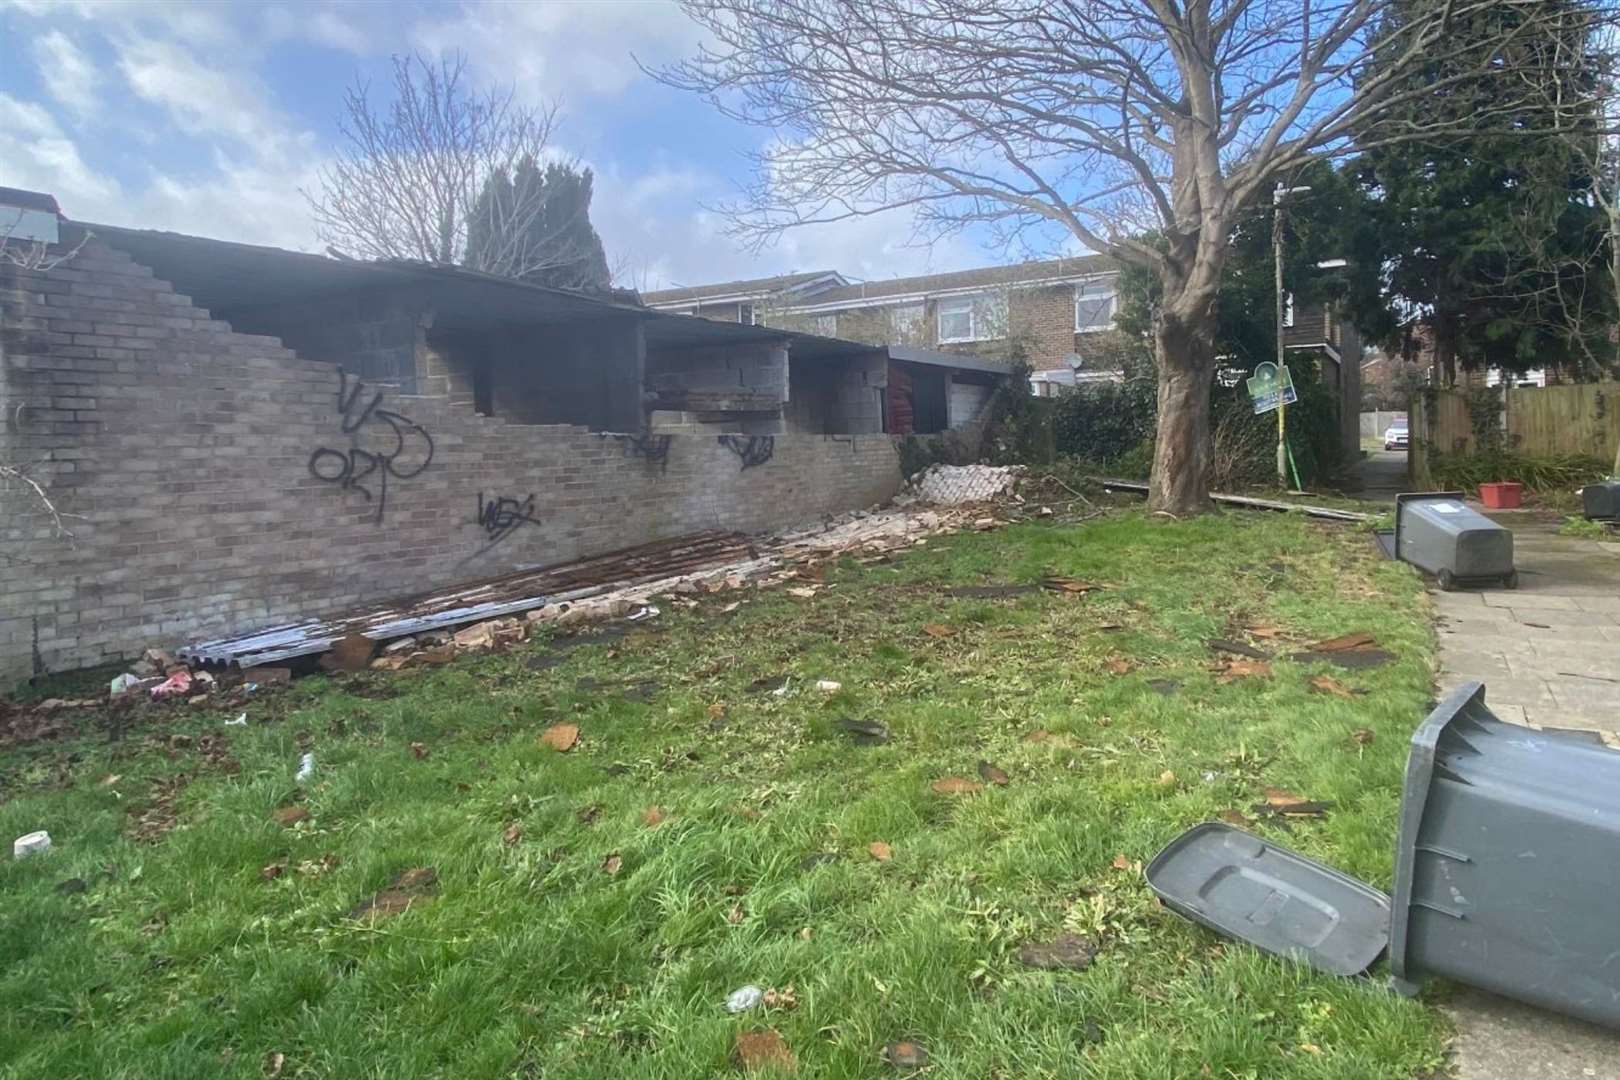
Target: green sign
{"x": 1271, "y": 387}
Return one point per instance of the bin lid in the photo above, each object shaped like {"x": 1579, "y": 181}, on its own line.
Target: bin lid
{"x": 1246, "y": 887}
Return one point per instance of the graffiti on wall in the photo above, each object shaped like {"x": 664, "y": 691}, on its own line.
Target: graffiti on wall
{"x": 500, "y": 518}
{"x": 654, "y": 449}
{"x": 404, "y": 451}
{"x": 753, "y": 449}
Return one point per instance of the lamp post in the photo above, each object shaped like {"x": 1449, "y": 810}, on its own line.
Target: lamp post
{"x": 1278, "y": 194}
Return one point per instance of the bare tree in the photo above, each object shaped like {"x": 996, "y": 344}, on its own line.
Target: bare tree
{"x": 1142, "y": 127}
{"x": 441, "y": 161}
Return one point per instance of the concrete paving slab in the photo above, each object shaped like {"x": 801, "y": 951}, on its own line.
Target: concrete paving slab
{"x": 1522, "y": 600}
{"x": 1498, "y": 1039}
{"x": 1563, "y": 619}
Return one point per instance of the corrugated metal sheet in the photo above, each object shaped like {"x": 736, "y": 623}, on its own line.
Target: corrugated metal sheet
{"x": 478, "y": 600}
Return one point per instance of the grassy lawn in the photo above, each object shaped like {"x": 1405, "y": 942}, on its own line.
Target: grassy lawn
{"x": 568, "y": 937}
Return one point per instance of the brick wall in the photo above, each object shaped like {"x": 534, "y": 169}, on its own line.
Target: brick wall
{"x": 374, "y": 334}
{"x": 188, "y": 456}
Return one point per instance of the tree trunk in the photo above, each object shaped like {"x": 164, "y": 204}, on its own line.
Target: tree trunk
{"x": 1185, "y": 351}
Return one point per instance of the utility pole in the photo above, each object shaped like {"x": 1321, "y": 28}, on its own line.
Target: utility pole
{"x": 1277, "y": 196}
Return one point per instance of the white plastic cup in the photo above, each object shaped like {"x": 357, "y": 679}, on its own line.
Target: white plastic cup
{"x": 31, "y": 844}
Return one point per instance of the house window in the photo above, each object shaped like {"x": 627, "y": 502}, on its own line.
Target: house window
{"x": 908, "y": 324}
{"x": 825, "y": 325}
{"x": 745, "y": 314}
{"x": 972, "y": 318}
{"x": 1288, "y": 309}
{"x": 1094, "y": 306}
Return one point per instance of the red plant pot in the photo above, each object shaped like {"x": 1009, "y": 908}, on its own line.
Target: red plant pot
{"x": 1506, "y": 495}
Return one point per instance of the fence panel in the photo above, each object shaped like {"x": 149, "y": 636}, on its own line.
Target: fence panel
{"x": 1580, "y": 419}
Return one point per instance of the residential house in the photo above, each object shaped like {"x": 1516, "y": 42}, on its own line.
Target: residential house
{"x": 1322, "y": 332}
{"x": 1055, "y": 314}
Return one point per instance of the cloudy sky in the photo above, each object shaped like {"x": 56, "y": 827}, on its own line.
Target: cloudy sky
{"x": 208, "y": 118}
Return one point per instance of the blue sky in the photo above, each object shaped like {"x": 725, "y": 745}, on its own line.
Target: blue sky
{"x": 208, "y": 118}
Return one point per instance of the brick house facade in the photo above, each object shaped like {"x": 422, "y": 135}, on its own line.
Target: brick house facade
{"x": 1056, "y": 314}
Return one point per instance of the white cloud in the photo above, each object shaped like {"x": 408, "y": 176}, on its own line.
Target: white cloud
{"x": 202, "y": 100}
{"x": 35, "y": 153}
{"x": 573, "y": 51}
{"x": 67, "y": 74}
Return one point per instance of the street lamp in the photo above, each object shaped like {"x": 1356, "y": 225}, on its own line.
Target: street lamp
{"x": 1277, "y": 196}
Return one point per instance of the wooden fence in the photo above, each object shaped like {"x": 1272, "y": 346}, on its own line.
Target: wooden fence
{"x": 1578, "y": 419}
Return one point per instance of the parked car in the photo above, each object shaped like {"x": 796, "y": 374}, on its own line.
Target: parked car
{"x": 1395, "y": 436}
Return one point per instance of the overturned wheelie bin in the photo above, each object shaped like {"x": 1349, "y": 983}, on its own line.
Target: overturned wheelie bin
{"x": 1505, "y": 871}
{"x": 1440, "y": 534}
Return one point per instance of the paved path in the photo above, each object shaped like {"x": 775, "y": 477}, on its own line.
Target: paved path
{"x": 1381, "y": 475}
{"x": 1547, "y": 653}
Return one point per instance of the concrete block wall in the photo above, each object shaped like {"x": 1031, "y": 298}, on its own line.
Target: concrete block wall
{"x": 841, "y": 396}
{"x": 213, "y": 487}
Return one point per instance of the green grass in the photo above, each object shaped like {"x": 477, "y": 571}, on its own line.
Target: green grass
{"x": 180, "y": 960}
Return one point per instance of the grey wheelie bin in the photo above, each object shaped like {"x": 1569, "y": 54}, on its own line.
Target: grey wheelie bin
{"x": 1438, "y": 533}
{"x": 1508, "y": 864}
{"x": 1601, "y": 501}
{"x": 1507, "y": 868}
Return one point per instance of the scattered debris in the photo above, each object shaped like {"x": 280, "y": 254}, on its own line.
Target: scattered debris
{"x": 178, "y": 683}
{"x": 957, "y": 485}
{"x": 288, "y": 816}
{"x": 905, "y": 1054}
{"x": 1344, "y": 642}
{"x": 240, "y": 721}
{"x": 1362, "y": 736}
{"x": 1353, "y": 652}
{"x": 828, "y": 686}
{"x": 763, "y": 1050}
{"x": 646, "y": 611}
{"x": 819, "y": 858}
{"x": 124, "y": 684}
{"x": 957, "y": 785}
{"x": 352, "y": 652}
{"x": 512, "y": 834}
{"x": 612, "y": 864}
{"x": 306, "y": 768}
{"x": 1282, "y": 803}
{"x": 938, "y": 630}
{"x": 419, "y": 750}
{"x": 744, "y": 998}
{"x": 1236, "y": 648}
{"x": 992, "y": 775}
{"x": 864, "y": 732}
{"x": 267, "y": 676}
{"x": 1066, "y": 952}
{"x": 1167, "y": 779}
{"x": 34, "y": 843}
{"x": 560, "y": 737}
{"x": 1118, "y": 665}
{"x": 1266, "y": 632}
{"x": 880, "y": 851}
{"x": 1072, "y": 586}
{"x": 1327, "y": 684}
{"x": 1235, "y": 817}
{"x": 274, "y": 1061}
{"x": 408, "y": 887}
{"x": 1231, "y": 670}
{"x": 736, "y": 915}
{"x": 786, "y": 998}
